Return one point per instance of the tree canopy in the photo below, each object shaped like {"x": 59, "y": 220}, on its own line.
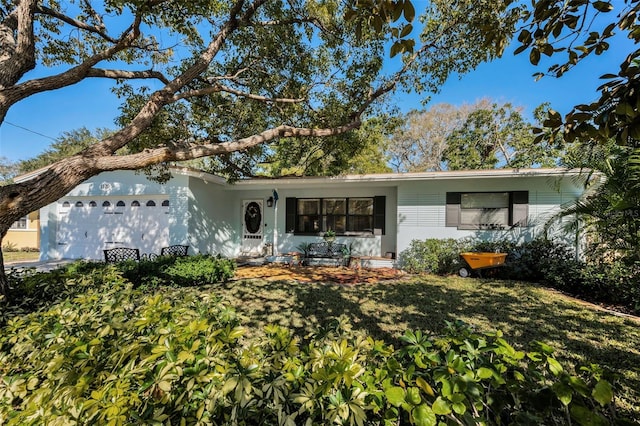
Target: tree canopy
{"x": 497, "y": 137}
{"x": 483, "y": 135}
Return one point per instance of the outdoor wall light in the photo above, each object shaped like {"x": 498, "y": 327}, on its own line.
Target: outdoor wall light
{"x": 270, "y": 202}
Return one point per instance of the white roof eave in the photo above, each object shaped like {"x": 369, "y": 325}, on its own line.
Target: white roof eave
{"x": 394, "y": 178}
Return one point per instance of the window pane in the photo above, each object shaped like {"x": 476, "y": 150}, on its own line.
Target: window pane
{"x": 336, "y": 223}
{"x": 308, "y": 223}
{"x": 20, "y": 223}
{"x": 361, "y": 223}
{"x": 484, "y": 217}
{"x": 485, "y": 210}
{"x": 361, "y": 206}
{"x": 485, "y": 200}
{"x": 334, "y": 206}
{"x": 308, "y": 207}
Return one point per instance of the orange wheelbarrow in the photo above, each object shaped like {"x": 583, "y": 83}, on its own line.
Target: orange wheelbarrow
{"x": 479, "y": 261}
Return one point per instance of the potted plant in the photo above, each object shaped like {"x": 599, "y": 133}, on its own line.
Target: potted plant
{"x": 304, "y": 249}
{"x": 329, "y": 236}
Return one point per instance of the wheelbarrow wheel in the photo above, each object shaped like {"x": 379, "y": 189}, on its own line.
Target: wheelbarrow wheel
{"x": 464, "y": 272}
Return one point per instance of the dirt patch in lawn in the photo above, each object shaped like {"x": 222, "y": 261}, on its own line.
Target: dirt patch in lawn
{"x": 337, "y": 275}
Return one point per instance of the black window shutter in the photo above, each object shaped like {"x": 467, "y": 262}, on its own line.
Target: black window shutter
{"x": 520, "y": 208}
{"x": 379, "y": 207}
{"x": 452, "y": 210}
{"x": 290, "y": 220}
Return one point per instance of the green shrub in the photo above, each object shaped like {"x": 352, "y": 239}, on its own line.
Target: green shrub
{"x": 432, "y": 256}
{"x": 611, "y": 281}
{"x": 541, "y": 260}
{"x": 30, "y": 250}
{"x": 122, "y": 356}
{"x": 31, "y": 290}
{"x": 199, "y": 269}
{"x": 148, "y": 273}
{"x": 9, "y": 247}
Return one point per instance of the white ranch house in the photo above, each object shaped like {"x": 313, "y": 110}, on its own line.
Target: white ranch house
{"x": 377, "y": 215}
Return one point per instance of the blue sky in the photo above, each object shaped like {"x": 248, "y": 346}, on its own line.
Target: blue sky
{"x": 508, "y": 79}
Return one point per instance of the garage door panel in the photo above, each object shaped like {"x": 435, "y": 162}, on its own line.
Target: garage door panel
{"x": 83, "y": 231}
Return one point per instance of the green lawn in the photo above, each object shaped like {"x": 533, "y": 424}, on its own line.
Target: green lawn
{"x": 20, "y": 256}
{"x": 525, "y": 312}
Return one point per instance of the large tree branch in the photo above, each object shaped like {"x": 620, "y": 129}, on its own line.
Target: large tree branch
{"x": 9, "y": 96}
{"x": 127, "y": 75}
{"x": 192, "y": 151}
{"x": 17, "y": 55}
{"x": 66, "y": 174}
{"x": 99, "y": 31}
{"x": 217, "y": 88}
{"x": 164, "y": 96}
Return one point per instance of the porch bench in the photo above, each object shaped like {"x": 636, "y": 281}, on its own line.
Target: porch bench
{"x": 176, "y": 250}
{"x": 333, "y": 252}
{"x": 121, "y": 254}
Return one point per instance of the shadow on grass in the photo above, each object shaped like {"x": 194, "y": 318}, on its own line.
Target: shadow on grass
{"x": 524, "y": 312}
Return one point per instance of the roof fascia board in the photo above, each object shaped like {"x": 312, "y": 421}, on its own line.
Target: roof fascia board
{"x": 405, "y": 177}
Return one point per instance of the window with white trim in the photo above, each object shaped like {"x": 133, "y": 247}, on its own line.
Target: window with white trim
{"x": 487, "y": 210}
{"x": 20, "y": 223}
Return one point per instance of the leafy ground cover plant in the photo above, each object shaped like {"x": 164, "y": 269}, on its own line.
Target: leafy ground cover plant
{"x": 120, "y": 355}
{"x": 31, "y": 290}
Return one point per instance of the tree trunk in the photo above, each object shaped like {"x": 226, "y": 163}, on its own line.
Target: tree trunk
{"x": 4, "y": 281}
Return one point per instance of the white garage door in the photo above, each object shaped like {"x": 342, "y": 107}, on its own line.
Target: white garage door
{"x": 88, "y": 226}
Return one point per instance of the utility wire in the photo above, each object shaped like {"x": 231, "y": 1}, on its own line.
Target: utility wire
{"x": 29, "y": 130}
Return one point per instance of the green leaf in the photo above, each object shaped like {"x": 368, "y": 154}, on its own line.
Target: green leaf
{"x": 413, "y": 396}
{"x": 422, "y": 384}
{"x": 395, "y": 395}
{"x": 406, "y": 30}
{"x": 396, "y": 48}
{"x": 563, "y": 392}
{"x": 484, "y": 372}
{"x": 602, "y": 6}
{"x": 586, "y": 417}
{"x": 603, "y": 392}
{"x": 229, "y": 385}
{"x": 409, "y": 11}
{"x": 424, "y": 416}
{"x": 441, "y": 407}
{"x": 459, "y": 408}
{"x": 521, "y": 49}
{"x": 541, "y": 345}
{"x": 524, "y": 36}
{"x": 554, "y": 366}
{"x": 534, "y": 56}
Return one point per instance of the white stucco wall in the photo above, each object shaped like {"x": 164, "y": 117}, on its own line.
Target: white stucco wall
{"x": 421, "y": 206}
{"x": 213, "y": 224}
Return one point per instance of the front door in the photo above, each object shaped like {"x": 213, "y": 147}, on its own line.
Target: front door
{"x": 252, "y": 227}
